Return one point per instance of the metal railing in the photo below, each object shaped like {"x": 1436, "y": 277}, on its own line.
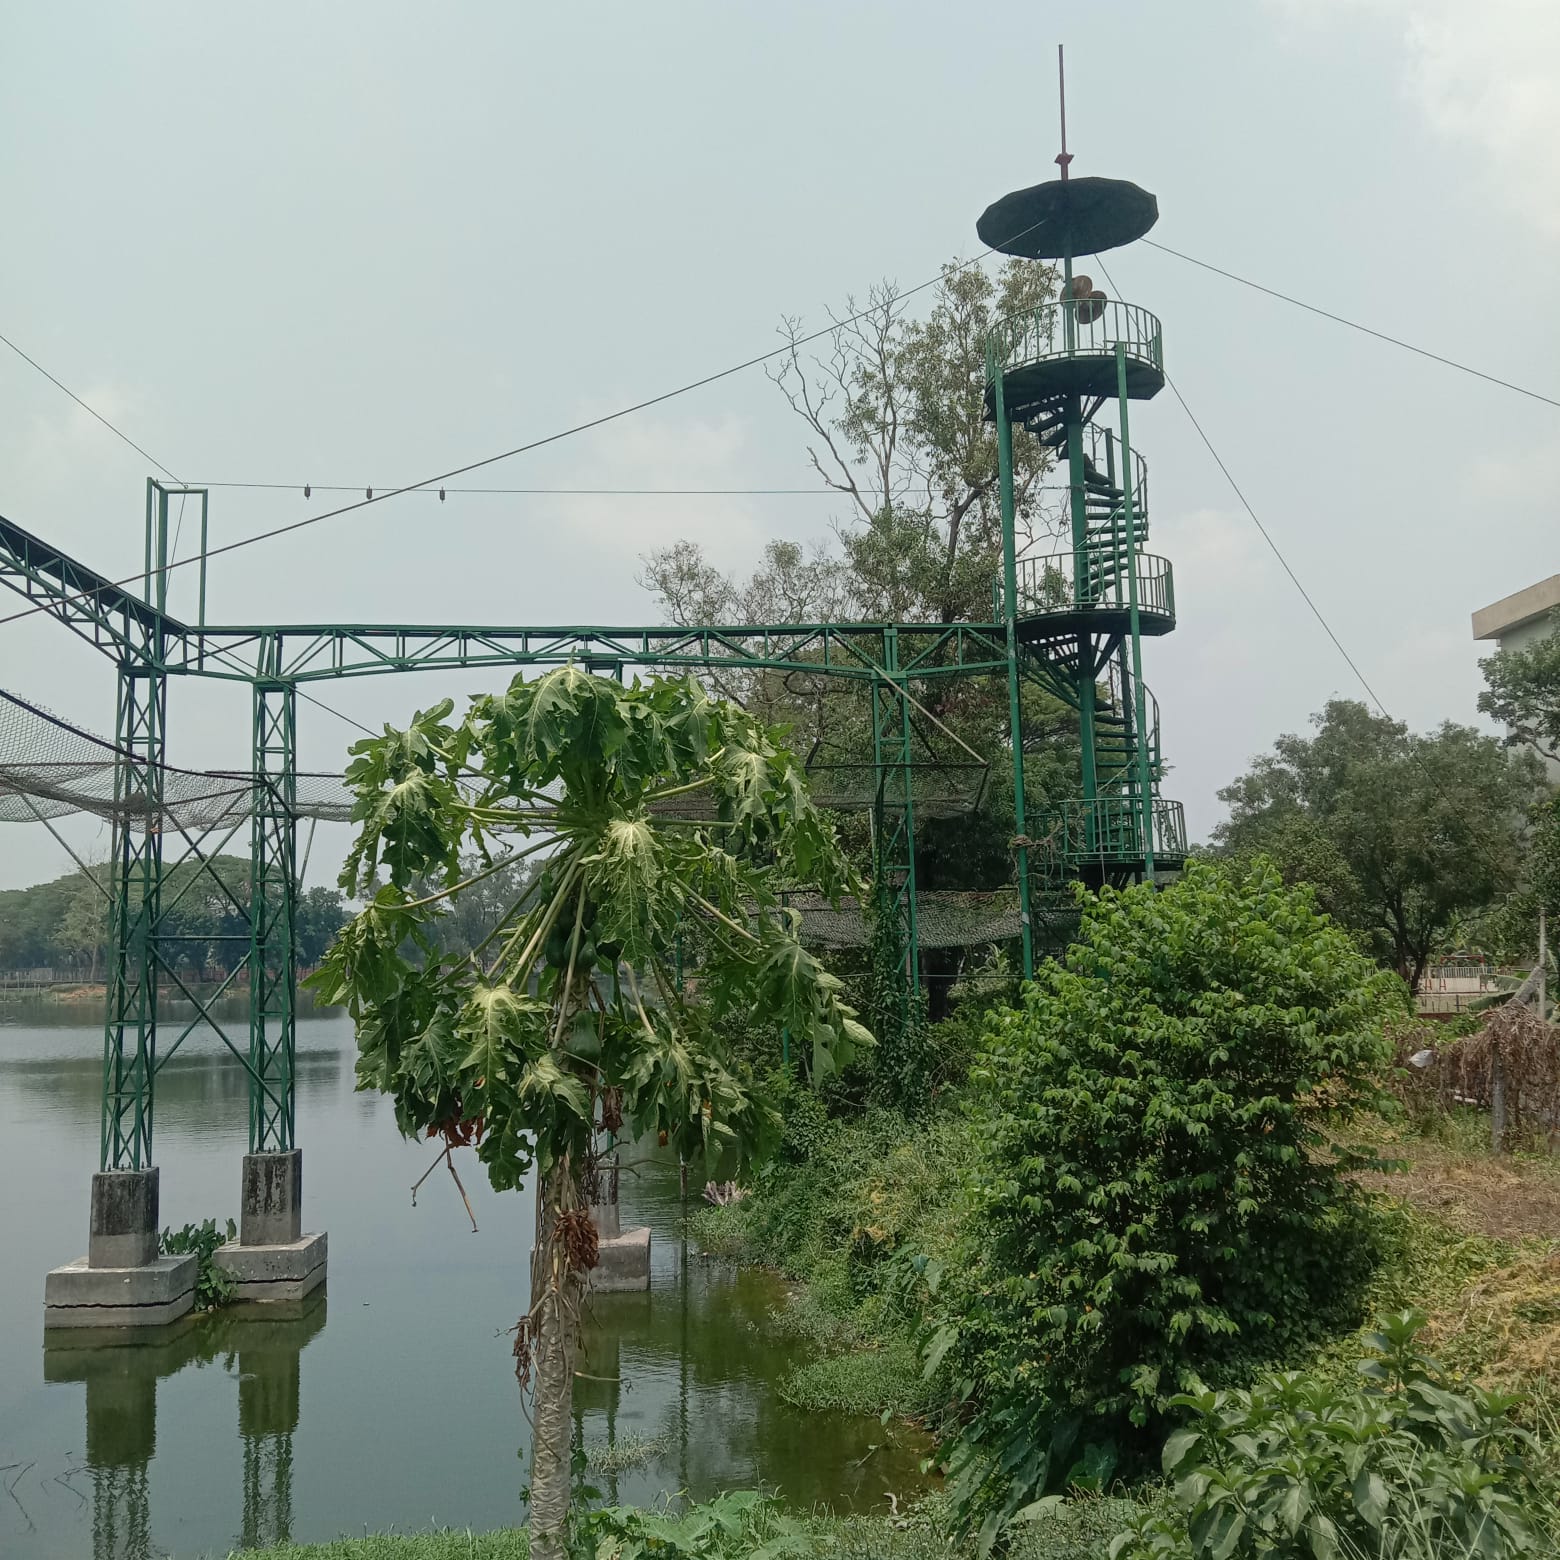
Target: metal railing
{"x": 1066, "y": 583}
{"x": 1116, "y": 697}
{"x": 1103, "y": 447}
{"x": 1078, "y": 327}
{"x": 1107, "y": 830}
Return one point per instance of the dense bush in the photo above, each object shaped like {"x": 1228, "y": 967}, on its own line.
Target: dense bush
{"x": 1405, "y": 1465}
{"x": 1156, "y": 1203}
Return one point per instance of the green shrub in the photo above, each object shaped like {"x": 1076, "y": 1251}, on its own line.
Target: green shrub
{"x": 1154, "y": 1205}
{"x": 213, "y": 1287}
{"x": 1405, "y": 1465}
{"x": 738, "y": 1525}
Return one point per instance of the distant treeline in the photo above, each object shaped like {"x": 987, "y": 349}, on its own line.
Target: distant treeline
{"x": 63, "y": 925}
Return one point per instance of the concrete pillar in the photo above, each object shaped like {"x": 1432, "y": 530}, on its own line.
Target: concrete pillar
{"x": 121, "y": 1282}
{"x": 122, "y": 1232}
{"x": 271, "y": 1211}
{"x": 622, "y": 1257}
{"x": 273, "y": 1259}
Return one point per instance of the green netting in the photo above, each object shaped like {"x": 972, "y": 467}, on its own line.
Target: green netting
{"x": 49, "y": 768}
{"x": 944, "y": 919}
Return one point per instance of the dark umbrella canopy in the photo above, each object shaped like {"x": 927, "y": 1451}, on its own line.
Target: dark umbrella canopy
{"x": 1068, "y": 217}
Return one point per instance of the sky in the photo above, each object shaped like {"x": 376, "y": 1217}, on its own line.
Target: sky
{"x": 367, "y": 242}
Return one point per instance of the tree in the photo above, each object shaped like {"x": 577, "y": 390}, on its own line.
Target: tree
{"x": 895, "y": 410}
{"x": 895, "y": 418}
{"x": 1524, "y": 692}
{"x": 82, "y": 930}
{"x": 567, "y": 1018}
{"x": 319, "y": 916}
{"x": 1425, "y": 827}
{"x": 895, "y": 413}
{"x": 1156, "y": 1201}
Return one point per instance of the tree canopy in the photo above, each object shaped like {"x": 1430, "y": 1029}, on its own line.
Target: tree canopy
{"x": 1400, "y": 833}
{"x": 1523, "y": 692}
{"x": 63, "y": 924}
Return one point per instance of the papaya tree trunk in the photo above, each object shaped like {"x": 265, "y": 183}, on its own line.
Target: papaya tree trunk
{"x": 553, "y": 1299}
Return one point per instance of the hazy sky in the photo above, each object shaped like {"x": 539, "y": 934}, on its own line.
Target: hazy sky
{"x": 363, "y": 243}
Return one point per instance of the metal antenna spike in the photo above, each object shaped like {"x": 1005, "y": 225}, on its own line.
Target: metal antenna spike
{"x": 1064, "y": 156}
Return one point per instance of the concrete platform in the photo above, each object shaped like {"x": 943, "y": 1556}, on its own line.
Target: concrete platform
{"x": 623, "y": 1263}
{"x": 285, "y": 1270}
{"x": 151, "y": 1295}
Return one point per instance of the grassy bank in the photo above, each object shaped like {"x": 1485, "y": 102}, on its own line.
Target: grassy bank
{"x": 842, "y": 1201}
{"x": 1081, "y": 1530}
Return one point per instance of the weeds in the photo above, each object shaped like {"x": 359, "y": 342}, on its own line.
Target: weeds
{"x": 213, "y": 1286}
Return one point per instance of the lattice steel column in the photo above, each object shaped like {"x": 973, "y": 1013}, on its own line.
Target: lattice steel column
{"x": 893, "y": 813}
{"x": 130, "y": 1033}
{"x": 272, "y": 908}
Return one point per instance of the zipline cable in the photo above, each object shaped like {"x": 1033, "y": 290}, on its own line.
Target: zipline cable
{"x": 790, "y": 346}
{"x": 1338, "y": 319}
{"x": 1316, "y": 611}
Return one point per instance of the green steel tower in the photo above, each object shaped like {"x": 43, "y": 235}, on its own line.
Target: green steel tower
{"x": 1075, "y": 621}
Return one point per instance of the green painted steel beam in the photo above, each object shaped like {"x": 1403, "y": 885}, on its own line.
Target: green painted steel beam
{"x": 108, "y": 617}
{"x": 328, "y": 652}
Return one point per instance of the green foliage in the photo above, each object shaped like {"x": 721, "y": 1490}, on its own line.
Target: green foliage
{"x": 568, "y": 1018}
{"x": 1155, "y": 1203}
{"x": 884, "y": 1379}
{"x": 1523, "y": 691}
{"x": 1407, "y": 1464}
{"x": 455, "y": 1043}
{"x": 443, "y": 1544}
{"x": 64, "y": 924}
{"x": 736, "y": 1525}
{"x": 843, "y": 1206}
{"x": 1543, "y": 867}
{"x": 213, "y": 1287}
{"x": 625, "y": 1451}
{"x": 1400, "y": 833}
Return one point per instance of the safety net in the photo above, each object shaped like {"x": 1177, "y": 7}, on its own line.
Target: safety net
{"x": 49, "y": 768}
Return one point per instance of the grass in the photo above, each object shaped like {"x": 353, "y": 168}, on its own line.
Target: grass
{"x": 448, "y": 1544}
{"x": 629, "y": 1450}
{"x": 1080, "y": 1530}
{"x": 886, "y": 1378}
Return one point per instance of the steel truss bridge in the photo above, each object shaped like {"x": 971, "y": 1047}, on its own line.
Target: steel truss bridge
{"x": 1072, "y": 623}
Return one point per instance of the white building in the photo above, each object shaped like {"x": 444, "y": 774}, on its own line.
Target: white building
{"x": 1515, "y": 622}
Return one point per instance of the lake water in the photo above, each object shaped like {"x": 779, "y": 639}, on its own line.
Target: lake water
{"x": 390, "y": 1401}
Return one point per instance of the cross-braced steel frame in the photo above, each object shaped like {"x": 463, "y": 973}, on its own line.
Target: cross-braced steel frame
{"x": 1073, "y": 624}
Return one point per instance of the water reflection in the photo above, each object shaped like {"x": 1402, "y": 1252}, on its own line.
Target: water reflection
{"x": 259, "y": 1348}
{"x": 403, "y": 1413}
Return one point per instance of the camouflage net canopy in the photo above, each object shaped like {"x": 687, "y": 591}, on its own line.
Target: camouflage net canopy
{"x": 943, "y": 919}
{"x": 49, "y": 768}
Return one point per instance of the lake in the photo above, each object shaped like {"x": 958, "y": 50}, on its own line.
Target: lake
{"x": 389, "y": 1401}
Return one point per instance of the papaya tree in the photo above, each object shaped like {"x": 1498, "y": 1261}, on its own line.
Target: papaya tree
{"x": 658, "y": 819}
